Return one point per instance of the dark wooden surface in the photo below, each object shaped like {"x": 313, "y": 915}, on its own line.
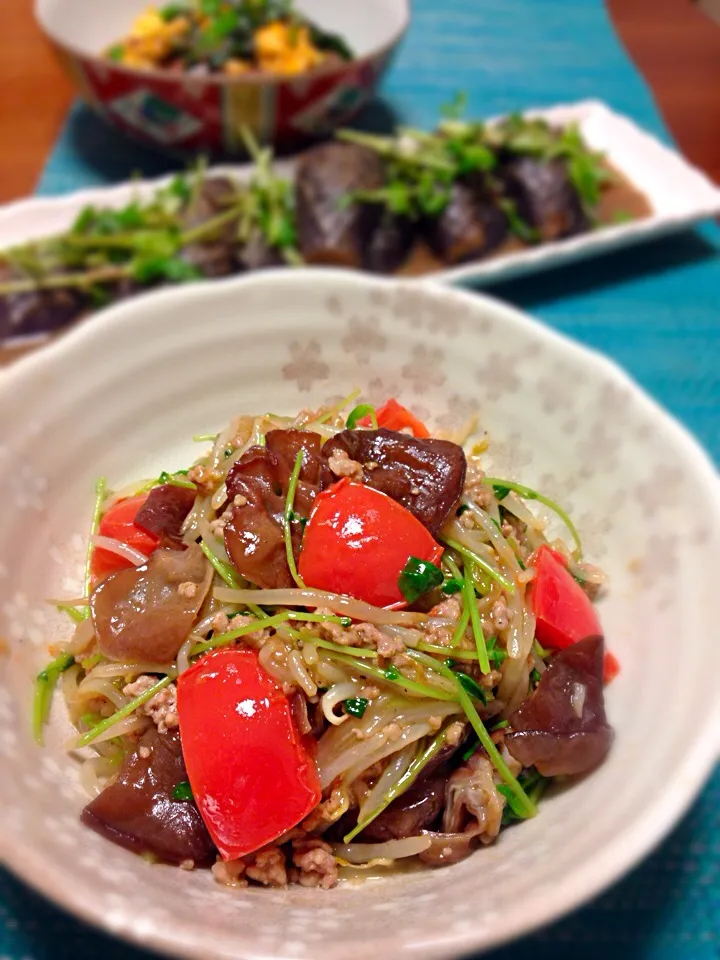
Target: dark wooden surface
{"x": 673, "y": 43}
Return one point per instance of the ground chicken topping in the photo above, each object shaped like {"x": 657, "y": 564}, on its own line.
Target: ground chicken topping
{"x": 206, "y": 480}
{"x": 357, "y": 635}
{"x": 162, "y": 708}
{"x": 268, "y": 867}
{"x": 342, "y": 466}
{"x": 317, "y": 865}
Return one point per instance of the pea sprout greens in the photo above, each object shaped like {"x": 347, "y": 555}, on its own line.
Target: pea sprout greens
{"x": 224, "y": 570}
{"x": 288, "y": 518}
{"x": 76, "y": 613}
{"x": 44, "y": 686}
{"x": 100, "y": 488}
{"x": 94, "y": 732}
{"x": 405, "y": 781}
{"x": 501, "y": 488}
{"x": 488, "y": 568}
{"x": 477, "y": 630}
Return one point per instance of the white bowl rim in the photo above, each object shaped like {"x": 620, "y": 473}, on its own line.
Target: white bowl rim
{"x": 255, "y": 78}
{"x": 630, "y": 846}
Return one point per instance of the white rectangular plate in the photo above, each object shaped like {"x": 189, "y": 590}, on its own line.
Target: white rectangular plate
{"x": 678, "y": 193}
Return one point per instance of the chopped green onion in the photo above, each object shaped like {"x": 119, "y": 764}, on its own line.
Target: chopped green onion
{"x": 417, "y": 577}
{"x": 359, "y": 413}
{"x": 526, "y": 804}
{"x": 122, "y": 713}
{"x": 225, "y": 571}
{"x": 44, "y": 685}
{"x": 405, "y": 781}
{"x": 481, "y": 562}
{"x": 535, "y": 677}
{"x": 527, "y": 493}
{"x": 500, "y": 725}
{"x": 100, "y": 488}
{"x": 452, "y": 585}
{"x": 182, "y": 791}
{"x": 471, "y": 604}
{"x": 77, "y": 614}
{"x": 287, "y": 518}
{"x": 356, "y": 706}
{"x": 205, "y": 437}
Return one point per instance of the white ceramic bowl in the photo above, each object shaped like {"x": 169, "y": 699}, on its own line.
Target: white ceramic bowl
{"x": 177, "y": 112}
{"x": 123, "y": 395}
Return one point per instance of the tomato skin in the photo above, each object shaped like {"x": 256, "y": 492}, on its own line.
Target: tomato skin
{"x": 251, "y": 775}
{"x": 611, "y": 667}
{"x": 357, "y": 542}
{"x": 394, "y": 416}
{"x": 119, "y": 523}
{"x": 563, "y": 611}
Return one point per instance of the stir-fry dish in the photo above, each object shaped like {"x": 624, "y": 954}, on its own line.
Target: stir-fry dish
{"x": 413, "y": 203}
{"x": 230, "y": 37}
{"x": 331, "y": 642}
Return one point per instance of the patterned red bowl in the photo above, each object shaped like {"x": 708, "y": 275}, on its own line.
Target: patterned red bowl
{"x": 176, "y": 112}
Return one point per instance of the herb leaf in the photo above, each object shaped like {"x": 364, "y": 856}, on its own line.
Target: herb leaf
{"x": 182, "y": 791}
{"x": 417, "y": 577}
{"x": 356, "y": 706}
{"x": 471, "y": 687}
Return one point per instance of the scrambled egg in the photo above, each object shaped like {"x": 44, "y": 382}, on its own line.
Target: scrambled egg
{"x": 151, "y": 39}
{"x": 285, "y": 48}
{"x": 280, "y": 47}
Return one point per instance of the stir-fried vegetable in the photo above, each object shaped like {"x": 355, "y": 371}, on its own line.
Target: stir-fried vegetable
{"x": 118, "y": 524}
{"x": 251, "y": 776}
{"x": 563, "y": 611}
{"x": 311, "y": 681}
{"x": 44, "y": 687}
{"x": 358, "y": 541}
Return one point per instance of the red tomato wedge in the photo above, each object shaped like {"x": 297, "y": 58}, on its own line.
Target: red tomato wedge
{"x": 119, "y": 523}
{"x": 563, "y": 610}
{"x": 357, "y": 542}
{"x": 394, "y": 416}
{"x": 251, "y": 775}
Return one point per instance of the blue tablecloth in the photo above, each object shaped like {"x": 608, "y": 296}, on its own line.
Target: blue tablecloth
{"x": 656, "y": 310}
